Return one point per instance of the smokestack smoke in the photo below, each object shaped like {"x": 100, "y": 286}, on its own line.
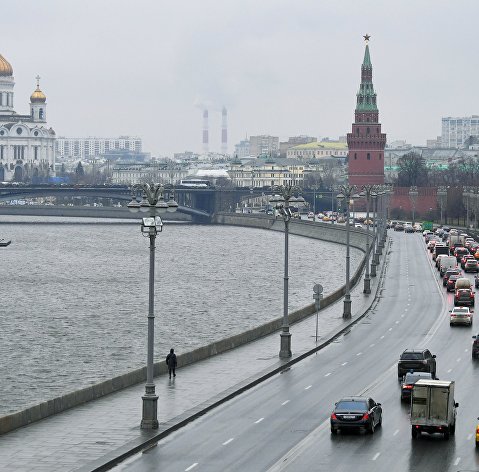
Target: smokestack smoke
{"x": 224, "y": 132}
{"x": 205, "y": 131}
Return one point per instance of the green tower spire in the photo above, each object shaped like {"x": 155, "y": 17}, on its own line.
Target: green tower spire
{"x": 366, "y": 97}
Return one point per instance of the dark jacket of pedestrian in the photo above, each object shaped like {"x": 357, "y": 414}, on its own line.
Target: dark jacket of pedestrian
{"x": 171, "y": 362}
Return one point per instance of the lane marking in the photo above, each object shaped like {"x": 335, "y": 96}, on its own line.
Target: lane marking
{"x": 390, "y": 329}
{"x": 344, "y": 363}
{"x": 456, "y": 462}
{"x": 458, "y": 359}
{"x": 395, "y": 432}
{"x": 328, "y": 374}
{"x": 402, "y": 316}
{"x": 372, "y": 345}
{"x": 227, "y": 442}
{"x": 192, "y": 466}
{"x": 308, "y": 387}
{"x": 465, "y": 350}
{"x": 382, "y": 337}
{"x": 397, "y": 322}
{"x": 259, "y": 421}
{"x": 284, "y": 403}
{"x": 376, "y": 455}
{"x": 359, "y": 353}
{"x": 449, "y": 371}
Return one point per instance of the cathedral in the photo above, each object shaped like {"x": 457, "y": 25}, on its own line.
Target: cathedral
{"x": 27, "y": 145}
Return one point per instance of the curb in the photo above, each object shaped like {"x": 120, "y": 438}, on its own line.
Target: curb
{"x": 151, "y": 439}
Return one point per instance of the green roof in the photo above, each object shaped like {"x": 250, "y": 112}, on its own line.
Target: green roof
{"x": 367, "y": 59}
{"x": 322, "y": 145}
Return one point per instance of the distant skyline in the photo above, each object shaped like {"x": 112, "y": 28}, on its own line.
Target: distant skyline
{"x": 284, "y": 68}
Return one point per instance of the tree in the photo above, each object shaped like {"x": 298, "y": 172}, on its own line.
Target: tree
{"x": 412, "y": 170}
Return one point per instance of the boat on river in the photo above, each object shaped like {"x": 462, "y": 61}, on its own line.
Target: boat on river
{"x": 4, "y": 243}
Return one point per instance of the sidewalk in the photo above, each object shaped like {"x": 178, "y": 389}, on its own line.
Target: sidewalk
{"x": 88, "y": 436}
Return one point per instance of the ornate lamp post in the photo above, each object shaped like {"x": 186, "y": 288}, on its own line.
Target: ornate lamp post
{"x": 284, "y": 195}
{"x": 368, "y": 192}
{"x": 413, "y": 194}
{"x": 467, "y": 194}
{"x": 442, "y": 198}
{"x": 374, "y": 197}
{"x": 348, "y": 194}
{"x": 154, "y": 204}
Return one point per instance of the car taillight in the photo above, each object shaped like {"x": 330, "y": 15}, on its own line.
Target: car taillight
{"x": 472, "y": 294}
{"x": 333, "y": 416}
{"x": 366, "y": 416}
{"x": 477, "y": 430}
{"x": 408, "y": 387}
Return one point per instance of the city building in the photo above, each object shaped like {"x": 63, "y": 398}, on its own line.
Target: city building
{"x": 455, "y": 131}
{"x": 86, "y": 148}
{"x": 366, "y": 142}
{"x": 242, "y": 148}
{"x": 263, "y": 146}
{"x": 158, "y": 172}
{"x": 294, "y": 141}
{"x": 27, "y": 144}
{"x": 318, "y": 150}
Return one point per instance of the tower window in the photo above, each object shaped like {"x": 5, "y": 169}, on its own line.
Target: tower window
{"x": 355, "y": 155}
{"x": 380, "y": 156}
{"x": 369, "y": 156}
{"x": 368, "y": 130}
{"x": 357, "y": 131}
{"x": 40, "y": 113}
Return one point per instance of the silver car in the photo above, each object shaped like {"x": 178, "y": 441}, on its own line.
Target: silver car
{"x": 460, "y": 315}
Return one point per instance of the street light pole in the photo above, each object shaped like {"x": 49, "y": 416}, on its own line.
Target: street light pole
{"x": 153, "y": 202}
{"x": 347, "y": 193}
{"x": 368, "y": 192}
{"x": 375, "y": 233}
{"x": 441, "y": 195}
{"x": 413, "y": 194}
{"x": 282, "y": 201}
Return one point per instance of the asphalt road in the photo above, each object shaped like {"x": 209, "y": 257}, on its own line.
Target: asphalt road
{"x": 283, "y": 424}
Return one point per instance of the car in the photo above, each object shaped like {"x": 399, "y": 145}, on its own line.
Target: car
{"x": 418, "y": 360}
{"x": 477, "y": 435}
{"x": 431, "y": 244}
{"x": 475, "y": 347}
{"x": 460, "y": 315}
{"x": 399, "y": 227}
{"x": 448, "y": 273}
{"x": 311, "y": 215}
{"x": 471, "y": 265}
{"x": 463, "y": 296}
{"x": 459, "y": 252}
{"x": 408, "y": 229}
{"x": 356, "y": 413}
{"x": 476, "y": 281}
{"x": 417, "y": 228}
{"x": 358, "y": 225}
{"x": 465, "y": 258}
{"x": 451, "y": 283}
{"x": 438, "y": 260}
{"x": 410, "y": 379}
{"x": 476, "y": 254}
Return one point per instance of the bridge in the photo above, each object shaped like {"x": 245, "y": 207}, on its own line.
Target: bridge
{"x": 199, "y": 203}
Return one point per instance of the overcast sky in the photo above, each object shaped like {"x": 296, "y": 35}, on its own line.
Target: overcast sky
{"x": 281, "y": 67}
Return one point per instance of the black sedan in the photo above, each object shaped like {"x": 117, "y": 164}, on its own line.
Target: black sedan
{"x": 356, "y": 413}
{"x": 409, "y": 380}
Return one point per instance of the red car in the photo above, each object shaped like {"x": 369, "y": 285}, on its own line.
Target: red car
{"x": 451, "y": 283}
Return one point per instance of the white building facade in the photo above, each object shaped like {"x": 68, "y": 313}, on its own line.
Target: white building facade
{"x": 27, "y": 144}
{"x": 455, "y": 131}
{"x": 85, "y": 148}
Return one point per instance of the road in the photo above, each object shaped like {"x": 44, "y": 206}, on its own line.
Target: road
{"x": 283, "y": 424}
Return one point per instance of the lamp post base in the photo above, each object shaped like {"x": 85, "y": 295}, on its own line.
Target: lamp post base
{"x": 367, "y": 284}
{"x": 347, "y": 308}
{"x": 376, "y": 258}
{"x": 373, "y": 269}
{"x": 150, "y": 412}
{"x": 285, "y": 344}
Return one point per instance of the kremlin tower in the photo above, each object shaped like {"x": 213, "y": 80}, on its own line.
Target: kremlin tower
{"x": 366, "y": 142}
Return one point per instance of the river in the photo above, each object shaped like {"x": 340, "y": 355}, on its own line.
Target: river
{"x": 74, "y": 295}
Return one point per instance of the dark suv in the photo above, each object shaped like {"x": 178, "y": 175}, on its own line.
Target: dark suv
{"x": 448, "y": 273}
{"x": 418, "y": 360}
{"x": 464, "y": 296}
{"x": 475, "y": 347}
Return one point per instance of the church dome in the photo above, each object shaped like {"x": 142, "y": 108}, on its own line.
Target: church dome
{"x": 5, "y": 67}
{"x": 38, "y": 96}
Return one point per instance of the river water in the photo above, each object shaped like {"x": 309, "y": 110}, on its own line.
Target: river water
{"x": 74, "y": 295}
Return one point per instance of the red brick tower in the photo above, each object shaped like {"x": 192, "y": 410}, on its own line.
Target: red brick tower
{"x": 366, "y": 142}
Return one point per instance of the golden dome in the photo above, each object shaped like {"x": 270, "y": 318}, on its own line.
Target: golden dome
{"x": 5, "y": 67}
{"x": 38, "y": 96}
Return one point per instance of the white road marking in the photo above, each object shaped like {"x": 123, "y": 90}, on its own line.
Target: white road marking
{"x": 395, "y": 432}
{"x": 457, "y": 461}
{"x": 449, "y": 371}
{"x": 376, "y": 455}
{"x": 465, "y": 350}
{"x": 469, "y": 437}
{"x": 458, "y": 359}
{"x": 359, "y": 353}
{"x": 405, "y": 309}
{"x": 308, "y": 387}
{"x": 344, "y": 363}
{"x": 192, "y": 466}
{"x": 227, "y": 442}
{"x": 284, "y": 403}
{"x": 372, "y": 345}
{"x": 402, "y": 316}
{"x": 397, "y": 322}
{"x": 328, "y": 374}
{"x": 390, "y": 329}
{"x": 382, "y": 337}
{"x": 259, "y": 421}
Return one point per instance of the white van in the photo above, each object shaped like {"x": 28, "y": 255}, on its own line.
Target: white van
{"x": 448, "y": 262}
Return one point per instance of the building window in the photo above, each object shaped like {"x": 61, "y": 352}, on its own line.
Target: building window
{"x": 40, "y": 113}
{"x": 368, "y": 130}
{"x": 19, "y": 131}
{"x": 369, "y": 156}
{"x": 355, "y": 155}
{"x": 379, "y": 156}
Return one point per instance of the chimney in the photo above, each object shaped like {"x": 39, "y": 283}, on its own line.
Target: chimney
{"x": 224, "y": 132}
{"x": 205, "y": 131}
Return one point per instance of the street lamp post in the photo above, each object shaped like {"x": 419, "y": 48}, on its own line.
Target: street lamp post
{"x": 368, "y": 192}
{"x": 413, "y": 194}
{"x": 347, "y": 193}
{"x": 283, "y": 196}
{"x": 154, "y": 204}
{"x": 442, "y": 197}
{"x": 375, "y": 233}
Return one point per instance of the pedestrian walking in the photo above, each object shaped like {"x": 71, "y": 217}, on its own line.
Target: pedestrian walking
{"x": 171, "y": 362}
